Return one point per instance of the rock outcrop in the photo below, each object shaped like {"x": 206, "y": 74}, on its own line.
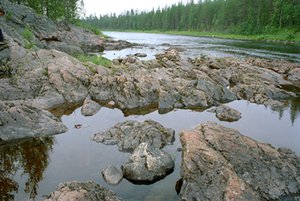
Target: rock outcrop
{"x": 89, "y": 107}
{"x": 49, "y": 78}
{"x": 82, "y": 191}
{"x": 130, "y": 134}
{"x": 226, "y": 113}
{"x": 173, "y": 82}
{"x": 219, "y": 163}
{"x": 27, "y": 28}
{"x": 19, "y": 120}
{"x": 147, "y": 165}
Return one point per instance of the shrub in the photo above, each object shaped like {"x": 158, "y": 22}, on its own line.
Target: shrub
{"x": 96, "y": 59}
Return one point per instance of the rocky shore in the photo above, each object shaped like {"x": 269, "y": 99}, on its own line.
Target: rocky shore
{"x": 218, "y": 163}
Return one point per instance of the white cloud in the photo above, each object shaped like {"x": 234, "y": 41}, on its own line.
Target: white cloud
{"x": 102, "y": 7}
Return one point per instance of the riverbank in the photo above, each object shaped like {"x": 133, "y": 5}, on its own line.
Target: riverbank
{"x": 281, "y": 36}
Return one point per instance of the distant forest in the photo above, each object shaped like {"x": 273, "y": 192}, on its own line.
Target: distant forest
{"x": 227, "y": 16}
{"x": 68, "y": 10}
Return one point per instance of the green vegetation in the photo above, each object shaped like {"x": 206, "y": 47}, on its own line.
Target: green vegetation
{"x": 63, "y": 10}
{"x": 89, "y": 27}
{"x": 46, "y": 72}
{"x": 255, "y": 19}
{"x": 29, "y": 37}
{"x": 284, "y": 35}
{"x": 98, "y": 60}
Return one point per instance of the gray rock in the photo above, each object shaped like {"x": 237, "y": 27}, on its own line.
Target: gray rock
{"x": 130, "y": 134}
{"x": 140, "y": 54}
{"x": 147, "y": 164}
{"x": 49, "y": 34}
{"x": 226, "y": 113}
{"x": 173, "y": 82}
{"x": 294, "y": 75}
{"x": 19, "y": 120}
{"x": 219, "y": 163}
{"x": 89, "y": 107}
{"x": 82, "y": 191}
{"x": 112, "y": 175}
{"x": 111, "y": 44}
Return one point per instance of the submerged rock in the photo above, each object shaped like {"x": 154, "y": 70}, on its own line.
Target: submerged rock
{"x": 147, "y": 164}
{"x": 18, "y": 120}
{"x": 219, "y": 163}
{"x": 82, "y": 191}
{"x": 226, "y": 113}
{"x": 89, "y": 107}
{"x": 112, "y": 175}
{"x": 140, "y": 54}
{"x": 130, "y": 134}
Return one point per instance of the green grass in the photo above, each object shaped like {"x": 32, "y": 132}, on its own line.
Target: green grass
{"x": 98, "y": 60}
{"x": 29, "y": 37}
{"x": 283, "y": 35}
{"x": 279, "y": 36}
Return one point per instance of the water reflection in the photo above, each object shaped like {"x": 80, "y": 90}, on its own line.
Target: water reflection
{"x": 30, "y": 157}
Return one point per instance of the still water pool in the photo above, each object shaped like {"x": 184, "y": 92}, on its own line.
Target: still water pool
{"x": 37, "y": 166}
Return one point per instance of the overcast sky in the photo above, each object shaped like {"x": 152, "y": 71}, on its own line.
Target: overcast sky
{"x": 118, "y": 6}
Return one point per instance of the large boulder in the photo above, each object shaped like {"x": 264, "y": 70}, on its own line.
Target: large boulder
{"x": 147, "y": 165}
{"x": 18, "y": 120}
{"x": 219, "y": 163}
{"x": 45, "y": 74}
{"x": 82, "y": 191}
{"x": 130, "y": 134}
{"x": 112, "y": 175}
{"x": 226, "y": 113}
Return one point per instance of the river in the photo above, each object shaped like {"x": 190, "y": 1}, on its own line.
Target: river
{"x": 195, "y": 46}
{"x": 33, "y": 168}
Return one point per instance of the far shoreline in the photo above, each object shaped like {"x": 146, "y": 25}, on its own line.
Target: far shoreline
{"x": 274, "y": 38}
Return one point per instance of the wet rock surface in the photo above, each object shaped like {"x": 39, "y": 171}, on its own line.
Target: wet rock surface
{"x": 147, "y": 165}
{"x": 19, "y": 120}
{"x": 173, "y": 82}
{"x": 90, "y": 107}
{"x": 226, "y": 113}
{"x": 221, "y": 164}
{"x": 82, "y": 191}
{"x": 130, "y": 134}
{"x": 112, "y": 175}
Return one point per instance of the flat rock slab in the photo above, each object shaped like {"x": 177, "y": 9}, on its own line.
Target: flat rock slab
{"x": 221, "y": 164}
{"x": 226, "y": 113}
{"x": 82, "y": 191}
{"x": 112, "y": 175}
{"x": 129, "y": 134}
{"x": 147, "y": 165}
{"x": 18, "y": 120}
{"x": 89, "y": 107}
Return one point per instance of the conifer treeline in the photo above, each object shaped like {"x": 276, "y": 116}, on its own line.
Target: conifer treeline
{"x": 55, "y": 9}
{"x": 232, "y": 16}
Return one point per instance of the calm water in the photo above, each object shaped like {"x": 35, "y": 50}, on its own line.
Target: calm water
{"x": 34, "y": 168}
{"x": 194, "y": 46}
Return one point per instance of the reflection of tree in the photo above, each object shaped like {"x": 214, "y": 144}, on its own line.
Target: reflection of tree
{"x": 295, "y": 109}
{"x": 293, "y": 105}
{"x": 32, "y": 157}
